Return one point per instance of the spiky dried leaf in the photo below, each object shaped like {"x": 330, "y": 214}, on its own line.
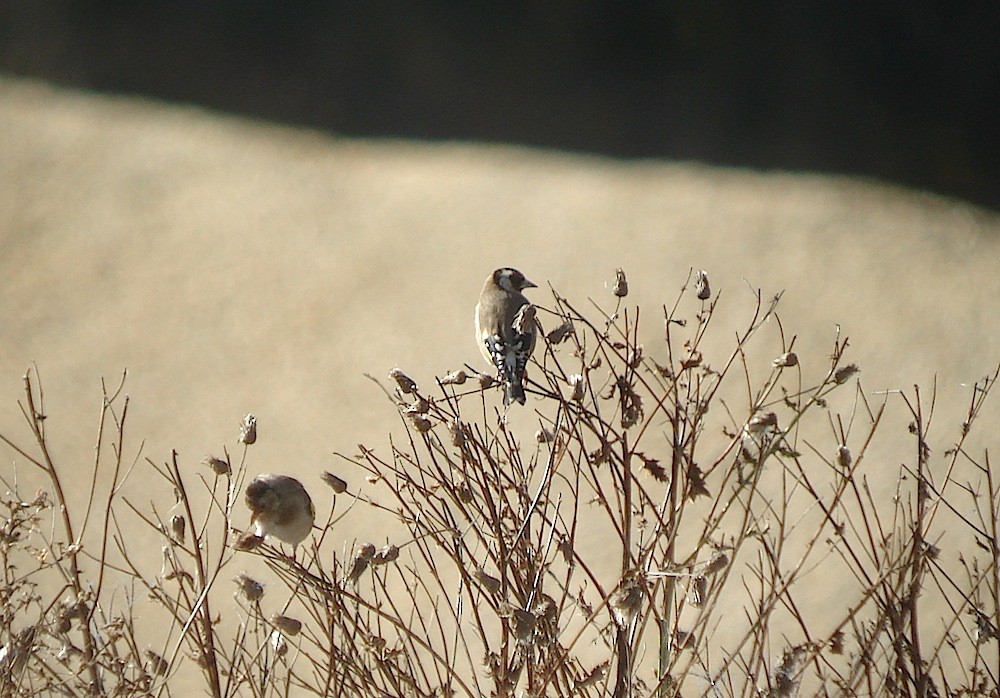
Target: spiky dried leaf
{"x": 653, "y": 467}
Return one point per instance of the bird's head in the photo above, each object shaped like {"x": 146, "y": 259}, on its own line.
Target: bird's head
{"x": 511, "y": 280}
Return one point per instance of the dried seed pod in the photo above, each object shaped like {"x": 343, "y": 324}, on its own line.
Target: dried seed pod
{"x": 336, "y": 484}
{"x": 486, "y": 381}
{"x": 288, "y": 626}
{"x": 177, "y": 526}
{"x": 697, "y": 591}
{"x": 844, "y": 458}
{"x": 250, "y": 588}
{"x": 489, "y": 583}
{"x": 717, "y": 563}
{"x": 421, "y": 424}
{"x": 702, "y": 286}
{"x": 523, "y": 624}
{"x": 219, "y": 466}
{"x": 683, "y": 639}
{"x": 157, "y": 665}
{"x": 761, "y": 423}
{"x": 404, "y": 382}
{"x": 248, "y": 430}
{"x": 421, "y": 406}
{"x": 457, "y": 432}
{"x": 248, "y": 541}
{"x": 786, "y": 360}
{"x": 388, "y": 553}
{"x": 362, "y": 556}
{"x": 634, "y": 357}
{"x": 455, "y": 378}
{"x": 837, "y": 642}
{"x": 579, "y": 385}
{"x": 546, "y": 609}
{"x": 627, "y": 600}
{"x": 560, "y": 333}
{"x": 278, "y": 643}
{"x": 844, "y": 373}
{"x": 544, "y": 436}
{"x": 621, "y": 283}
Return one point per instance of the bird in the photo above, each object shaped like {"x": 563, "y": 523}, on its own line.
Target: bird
{"x": 506, "y": 330}
{"x": 280, "y": 508}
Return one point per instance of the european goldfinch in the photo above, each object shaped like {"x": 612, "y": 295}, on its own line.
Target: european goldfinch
{"x": 506, "y": 329}
{"x": 280, "y": 508}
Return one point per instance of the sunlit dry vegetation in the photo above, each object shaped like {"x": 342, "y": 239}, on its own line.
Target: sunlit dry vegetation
{"x": 659, "y": 530}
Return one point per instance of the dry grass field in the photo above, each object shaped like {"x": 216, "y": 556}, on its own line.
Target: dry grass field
{"x": 236, "y": 267}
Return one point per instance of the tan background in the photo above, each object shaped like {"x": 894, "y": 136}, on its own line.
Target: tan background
{"x": 234, "y": 266}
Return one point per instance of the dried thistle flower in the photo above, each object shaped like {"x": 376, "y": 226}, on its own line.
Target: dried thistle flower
{"x": 157, "y": 665}
{"x": 621, "y": 283}
{"x": 336, "y": 484}
{"x": 579, "y": 385}
{"x": 455, "y": 378}
{"x": 702, "y": 286}
{"x": 844, "y": 458}
{"x": 251, "y": 589}
{"x": 248, "y": 541}
{"x": 177, "y": 526}
{"x": 287, "y": 625}
{"x": 248, "y": 430}
{"x": 560, "y": 333}
{"x": 844, "y": 373}
{"x": 221, "y": 467}
{"x": 486, "y": 381}
{"x": 388, "y": 553}
{"x": 405, "y": 383}
{"x": 544, "y": 436}
{"x": 786, "y": 360}
{"x": 489, "y": 583}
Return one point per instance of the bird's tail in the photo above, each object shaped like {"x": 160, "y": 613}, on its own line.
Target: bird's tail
{"x": 514, "y": 391}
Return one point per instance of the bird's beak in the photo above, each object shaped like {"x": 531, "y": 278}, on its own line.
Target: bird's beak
{"x": 528, "y": 284}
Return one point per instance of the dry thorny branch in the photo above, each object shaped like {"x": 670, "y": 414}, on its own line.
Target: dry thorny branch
{"x": 611, "y": 539}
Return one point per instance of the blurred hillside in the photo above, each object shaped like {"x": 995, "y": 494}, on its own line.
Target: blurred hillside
{"x": 239, "y": 267}
{"x": 900, "y": 91}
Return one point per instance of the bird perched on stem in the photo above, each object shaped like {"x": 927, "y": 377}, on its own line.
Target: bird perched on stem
{"x": 506, "y": 329}
{"x": 280, "y": 508}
